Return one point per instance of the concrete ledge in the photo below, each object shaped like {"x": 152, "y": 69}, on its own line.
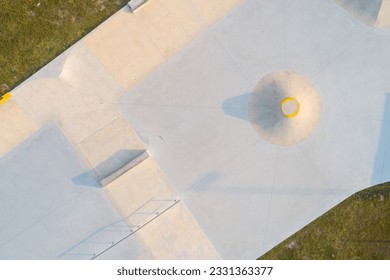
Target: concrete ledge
{"x": 135, "y": 4}
{"x": 119, "y": 172}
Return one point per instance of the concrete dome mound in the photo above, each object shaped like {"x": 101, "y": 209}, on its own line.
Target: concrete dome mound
{"x": 284, "y": 108}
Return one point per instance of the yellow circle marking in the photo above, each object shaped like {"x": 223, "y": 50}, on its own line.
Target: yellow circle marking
{"x": 286, "y": 101}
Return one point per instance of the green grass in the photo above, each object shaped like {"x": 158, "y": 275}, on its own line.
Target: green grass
{"x": 357, "y": 228}
{"x": 32, "y": 33}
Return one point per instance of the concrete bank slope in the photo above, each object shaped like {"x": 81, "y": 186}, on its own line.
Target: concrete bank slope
{"x": 374, "y": 13}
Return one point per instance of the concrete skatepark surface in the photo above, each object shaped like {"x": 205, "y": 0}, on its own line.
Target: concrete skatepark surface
{"x": 183, "y": 86}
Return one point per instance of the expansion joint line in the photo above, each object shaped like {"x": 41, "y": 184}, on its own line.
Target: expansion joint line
{"x": 246, "y": 150}
{"x": 319, "y": 174}
{"x": 271, "y": 198}
{"x": 339, "y": 55}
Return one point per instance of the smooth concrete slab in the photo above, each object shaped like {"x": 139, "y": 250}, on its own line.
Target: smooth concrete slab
{"x": 212, "y": 11}
{"x": 224, "y": 192}
{"x": 127, "y": 193}
{"x": 314, "y": 39}
{"x": 186, "y": 14}
{"x": 123, "y": 47}
{"x": 356, "y": 152}
{"x": 254, "y": 36}
{"x": 174, "y": 234}
{"x": 357, "y": 97}
{"x": 15, "y": 125}
{"x": 163, "y": 28}
{"x": 296, "y": 198}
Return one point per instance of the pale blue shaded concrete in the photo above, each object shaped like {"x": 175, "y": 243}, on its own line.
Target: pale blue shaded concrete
{"x": 43, "y": 211}
{"x": 381, "y": 172}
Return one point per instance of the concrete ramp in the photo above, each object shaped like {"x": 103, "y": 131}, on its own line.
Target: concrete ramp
{"x": 384, "y": 15}
{"x": 374, "y": 12}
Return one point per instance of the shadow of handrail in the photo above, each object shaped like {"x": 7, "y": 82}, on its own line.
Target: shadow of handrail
{"x": 120, "y": 230}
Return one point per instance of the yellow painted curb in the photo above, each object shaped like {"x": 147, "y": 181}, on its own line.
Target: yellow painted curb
{"x": 289, "y": 99}
{"x": 5, "y": 97}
